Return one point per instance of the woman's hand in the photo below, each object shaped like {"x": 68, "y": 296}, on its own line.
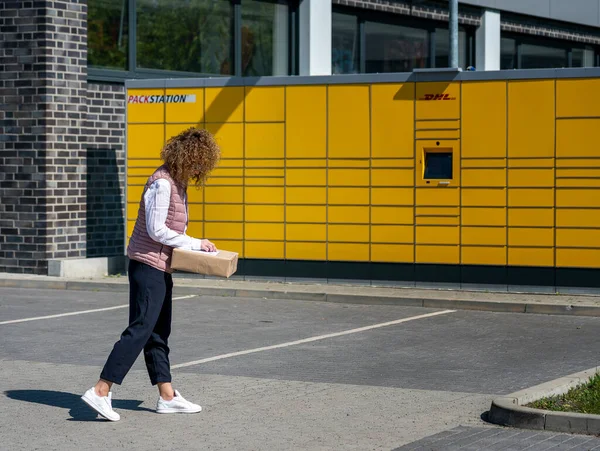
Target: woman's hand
{"x": 207, "y": 246}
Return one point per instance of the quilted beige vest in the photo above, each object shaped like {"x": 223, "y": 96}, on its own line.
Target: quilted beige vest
{"x": 143, "y": 248}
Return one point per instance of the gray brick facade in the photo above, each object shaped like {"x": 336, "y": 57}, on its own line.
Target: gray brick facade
{"x": 430, "y": 9}
{"x": 105, "y": 156}
{"x": 62, "y": 138}
{"x": 62, "y": 149}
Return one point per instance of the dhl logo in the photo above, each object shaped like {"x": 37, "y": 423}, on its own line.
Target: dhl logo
{"x": 437, "y": 97}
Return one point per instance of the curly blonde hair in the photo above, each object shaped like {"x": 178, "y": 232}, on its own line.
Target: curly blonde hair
{"x": 191, "y": 156}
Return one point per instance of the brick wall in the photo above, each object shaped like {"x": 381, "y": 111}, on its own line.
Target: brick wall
{"x": 468, "y": 15}
{"x": 425, "y": 9}
{"x": 65, "y": 108}
{"x": 105, "y": 156}
{"x": 62, "y": 141}
{"x": 25, "y": 59}
{"x": 542, "y": 27}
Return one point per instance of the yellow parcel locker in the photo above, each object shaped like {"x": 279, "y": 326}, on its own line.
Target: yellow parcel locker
{"x": 578, "y": 258}
{"x": 348, "y": 177}
{"x": 145, "y": 141}
{"x": 530, "y": 256}
{"x": 264, "y": 213}
{"x": 224, "y": 104}
{"x": 343, "y": 233}
{"x": 438, "y": 100}
{"x": 230, "y": 138}
{"x": 582, "y": 238}
{"x": 172, "y": 130}
{"x": 264, "y": 249}
{"x": 483, "y": 255}
{"x": 145, "y": 106}
{"x": 578, "y": 98}
{"x": 306, "y": 177}
{"x": 305, "y": 196}
{"x": 305, "y": 251}
{"x": 348, "y": 252}
{"x": 348, "y": 196}
{"x": 448, "y": 254}
{"x": 265, "y": 104}
{"x": 392, "y": 234}
{"x": 306, "y": 232}
{"x": 392, "y": 120}
{"x": 264, "y": 231}
{"x": 348, "y": 110}
{"x": 265, "y": 141}
{"x": 306, "y": 122}
{"x": 483, "y": 132}
{"x": 531, "y": 119}
{"x": 302, "y": 213}
{"x": 223, "y": 194}
{"x": 392, "y": 253}
{"x": 348, "y": 215}
{"x": 188, "y": 107}
{"x": 224, "y": 230}
{"x": 263, "y": 195}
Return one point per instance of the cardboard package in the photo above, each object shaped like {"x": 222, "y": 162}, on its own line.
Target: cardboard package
{"x": 220, "y": 263}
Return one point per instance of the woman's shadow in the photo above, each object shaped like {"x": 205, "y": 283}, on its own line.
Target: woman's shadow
{"x": 78, "y": 410}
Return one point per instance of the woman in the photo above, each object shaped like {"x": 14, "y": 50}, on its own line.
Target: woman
{"x": 161, "y": 226}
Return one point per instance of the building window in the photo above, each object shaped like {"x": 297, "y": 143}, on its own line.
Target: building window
{"x": 345, "y": 44}
{"x": 372, "y": 42}
{"x": 529, "y": 52}
{"x": 508, "y": 54}
{"x": 542, "y": 56}
{"x": 442, "y": 48}
{"x": 265, "y": 38}
{"x": 204, "y": 37}
{"x": 583, "y": 57}
{"x": 108, "y": 33}
{"x": 395, "y": 48}
{"x": 185, "y": 36}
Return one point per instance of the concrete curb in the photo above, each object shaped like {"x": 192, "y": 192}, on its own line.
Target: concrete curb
{"x": 510, "y": 410}
{"x": 286, "y": 292}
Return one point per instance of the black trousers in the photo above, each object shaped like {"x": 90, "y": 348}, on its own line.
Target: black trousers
{"x": 150, "y": 307}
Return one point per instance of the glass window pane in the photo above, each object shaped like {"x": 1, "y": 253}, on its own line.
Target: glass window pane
{"x": 583, "y": 57}
{"x": 184, "y": 35}
{"x": 539, "y": 56}
{"x": 442, "y": 48}
{"x": 108, "y": 33}
{"x": 588, "y": 58}
{"x": 394, "y": 48}
{"x": 508, "y": 54}
{"x": 345, "y": 44}
{"x": 265, "y": 38}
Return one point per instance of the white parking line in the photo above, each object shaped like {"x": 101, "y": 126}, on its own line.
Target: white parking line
{"x": 60, "y": 315}
{"x": 308, "y": 340}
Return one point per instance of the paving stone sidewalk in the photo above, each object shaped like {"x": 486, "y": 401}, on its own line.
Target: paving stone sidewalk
{"x": 243, "y": 288}
{"x": 486, "y": 438}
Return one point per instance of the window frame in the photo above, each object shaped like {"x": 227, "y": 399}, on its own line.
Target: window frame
{"x": 569, "y": 46}
{"x": 100, "y": 74}
{"x": 430, "y": 25}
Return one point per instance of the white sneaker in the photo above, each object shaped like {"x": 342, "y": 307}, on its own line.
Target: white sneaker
{"x": 101, "y": 404}
{"x": 176, "y": 405}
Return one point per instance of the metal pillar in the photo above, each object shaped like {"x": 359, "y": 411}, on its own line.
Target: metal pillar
{"x": 453, "y": 29}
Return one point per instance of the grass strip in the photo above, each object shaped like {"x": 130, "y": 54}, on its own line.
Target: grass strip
{"x": 585, "y": 398}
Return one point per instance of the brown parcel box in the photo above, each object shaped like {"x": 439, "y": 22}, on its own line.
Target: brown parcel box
{"x": 224, "y": 264}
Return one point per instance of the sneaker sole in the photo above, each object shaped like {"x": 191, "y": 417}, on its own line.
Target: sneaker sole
{"x": 95, "y": 409}
{"x": 163, "y": 411}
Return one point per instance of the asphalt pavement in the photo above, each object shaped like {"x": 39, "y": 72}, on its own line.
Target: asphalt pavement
{"x": 282, "y": 374}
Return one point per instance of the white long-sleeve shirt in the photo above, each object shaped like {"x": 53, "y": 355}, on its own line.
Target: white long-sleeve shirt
{"x": 157, "y": 199}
